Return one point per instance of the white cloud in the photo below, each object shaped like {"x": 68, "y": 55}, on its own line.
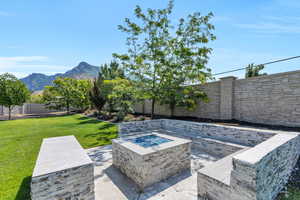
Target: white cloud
{"x": 23, "y": 65}
{"x": 23, "y": 59}
{"x": 274, "y": 25}
{"x": 272, "y": 28}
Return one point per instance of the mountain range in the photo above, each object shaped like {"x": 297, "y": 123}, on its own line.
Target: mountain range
{"x": 38, "y": 81}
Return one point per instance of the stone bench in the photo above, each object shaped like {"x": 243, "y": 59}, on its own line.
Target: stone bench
{"x": 257, "y": 162}
{"x": 63, "y": 170}
{"x": 215, "y": 147}
{"x": 253, "y": 173}
{"x": 213, "y": 181}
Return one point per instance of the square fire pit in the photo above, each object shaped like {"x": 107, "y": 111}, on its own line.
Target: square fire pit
{"x": 150, "y": 158}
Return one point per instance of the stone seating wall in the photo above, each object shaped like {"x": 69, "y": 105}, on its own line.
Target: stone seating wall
{"x": 63, "y": 171}
{"x": 257, "y": 162}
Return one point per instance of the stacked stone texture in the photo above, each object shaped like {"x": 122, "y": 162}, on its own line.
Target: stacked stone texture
{"x": 267, "y": 177}
{"x": 63, "y": 171}
{"x": 148, "y": 169}
{"x": 275, "y": 152}
{"x": 69, "y": 184}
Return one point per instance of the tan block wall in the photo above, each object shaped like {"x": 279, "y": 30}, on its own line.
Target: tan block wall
{"x": 272, "y": 99}
{"x": 204, "y": 110}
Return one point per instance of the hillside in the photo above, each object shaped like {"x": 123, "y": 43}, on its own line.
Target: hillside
{"x": 83, "y": 70}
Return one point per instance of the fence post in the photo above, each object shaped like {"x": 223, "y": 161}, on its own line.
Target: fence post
{"x": 227, "y": 97}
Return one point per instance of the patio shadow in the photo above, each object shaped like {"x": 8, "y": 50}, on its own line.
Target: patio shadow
{"x": 24, "y": 189}
{"x": 131, "y": 190}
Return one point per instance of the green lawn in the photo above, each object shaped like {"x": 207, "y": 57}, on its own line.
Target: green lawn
{"x": 20, "y": 142}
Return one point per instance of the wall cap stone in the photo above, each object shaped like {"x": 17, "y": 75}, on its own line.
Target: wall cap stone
{"x": 254, "y": 155}
{"x": 60, "y": 153}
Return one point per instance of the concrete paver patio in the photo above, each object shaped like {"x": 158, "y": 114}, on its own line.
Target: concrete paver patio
{"x": 111, "y": 184}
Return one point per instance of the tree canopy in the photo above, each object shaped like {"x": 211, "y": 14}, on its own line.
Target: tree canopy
{"x": 254, "y": 70}
{"x": 13, "y": 92}
{"x": 163, "y": 58}
{"x": 67, "y": 93}
{"x": 111, "y": 71}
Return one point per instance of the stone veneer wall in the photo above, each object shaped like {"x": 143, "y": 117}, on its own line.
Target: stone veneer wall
{"x": 261, "y": 172}
{"x": 131, "y": 128}
{"x": 150, "y": 168}
{"x": 73, "y": 183}
{"x": 243, "y": 136}
{"x": 194, "y": 130}
{"x": 63, "y": 171}
{"x": 205, "y": 137}
{"x": 272, "y": 99}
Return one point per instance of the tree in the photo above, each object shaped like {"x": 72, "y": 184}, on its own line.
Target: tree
{"x": 112, "y": 71}
{"x": 66, "y": 93}
{"x": 96, "y": 96}
{"x": 254, "y": 70}
{"x": 80, "y": 98}
{"x": 36, "y": 98}
{"x": 122, "y": 97}
{"x": 13, "y": 92}
{"x": 163, "y": 59}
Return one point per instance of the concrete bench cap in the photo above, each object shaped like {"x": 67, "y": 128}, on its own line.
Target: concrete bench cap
{"x": 60, "y": 153}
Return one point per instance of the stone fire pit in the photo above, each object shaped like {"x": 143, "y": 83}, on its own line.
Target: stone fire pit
{"x": 152, "y": 157}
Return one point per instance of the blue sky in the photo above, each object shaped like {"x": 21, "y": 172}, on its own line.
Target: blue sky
{"x": 54, "y": 36}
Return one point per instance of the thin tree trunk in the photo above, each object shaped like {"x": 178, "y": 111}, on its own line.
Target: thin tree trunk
{"x": 68, "y": 107}
{"x": 152, "y": 108}
{"x": 172, "y": 108}
{"x": 143, "y": 107}
{"x": 9, "y": 112}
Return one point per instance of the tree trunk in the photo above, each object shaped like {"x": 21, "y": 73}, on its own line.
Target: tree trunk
{"x": 143, "y": 107}
{"x": 9, "y": 112}
{"x": 172, "y": 108}
{"x": 152, "y": 108}
{"x": 68, "y": 108}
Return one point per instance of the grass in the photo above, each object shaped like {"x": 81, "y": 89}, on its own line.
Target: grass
{"x": 20, "y": 142}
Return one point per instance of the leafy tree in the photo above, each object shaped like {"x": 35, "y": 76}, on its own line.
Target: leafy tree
{"x": 163, "y": 59}
{"x": 66, "y": 93}
{"x": 118, "y": 94}
{"x": 36, "y": 98}
{"x": 122, "y": 97}
{"x": 80, "y": 98}
{"x": 254, "y": 70}
{"x": 13, "y": 92}
{"x": 112, "y": 71}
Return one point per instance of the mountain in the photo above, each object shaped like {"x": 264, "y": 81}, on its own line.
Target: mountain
{"x": 83, "y": 70}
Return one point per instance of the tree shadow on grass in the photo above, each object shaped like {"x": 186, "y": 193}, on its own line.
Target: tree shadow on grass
{"x": 24, "y": 189}
{"x": 101, "y": 134}
{"x": 106, "y": 126}
{"x": 83, "y": 118}
{"x": 90, "y": 121}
